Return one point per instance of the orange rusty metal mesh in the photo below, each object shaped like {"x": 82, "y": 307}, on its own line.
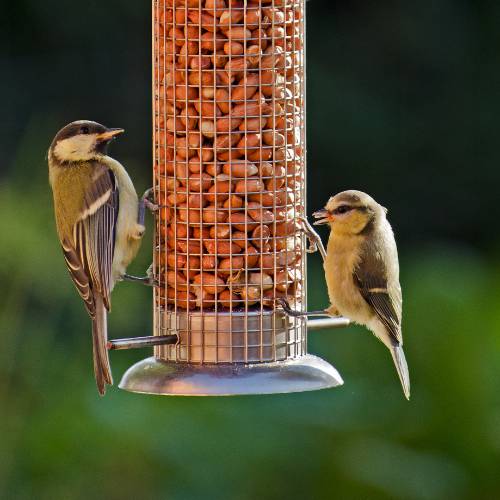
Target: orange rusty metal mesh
{"x": 229, "y": 154}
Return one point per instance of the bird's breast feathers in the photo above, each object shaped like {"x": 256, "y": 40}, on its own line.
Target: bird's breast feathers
{"x": 343, "y": 256}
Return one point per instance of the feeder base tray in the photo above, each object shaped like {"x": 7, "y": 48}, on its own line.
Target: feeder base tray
{"x": 153, "y": 376}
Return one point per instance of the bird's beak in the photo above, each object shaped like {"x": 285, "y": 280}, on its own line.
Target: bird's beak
{"x": 323, "y": 217}
{"x": 110, "y": 134}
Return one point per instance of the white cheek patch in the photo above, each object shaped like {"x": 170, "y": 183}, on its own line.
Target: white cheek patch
{"x": 77, "y": 148}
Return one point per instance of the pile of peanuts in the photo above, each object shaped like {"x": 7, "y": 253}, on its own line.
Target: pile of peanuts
{"x": 229, "y": 152}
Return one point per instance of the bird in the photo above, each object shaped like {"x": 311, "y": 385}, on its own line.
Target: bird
{"x": 96, "y": 211}
{"x": 362, "y": 270}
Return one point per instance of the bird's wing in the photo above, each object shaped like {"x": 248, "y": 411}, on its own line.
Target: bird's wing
{"x": 89, "y": 252}
{"x": 379, "y": 285}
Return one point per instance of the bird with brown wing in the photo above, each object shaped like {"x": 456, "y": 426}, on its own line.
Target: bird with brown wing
{"x": 362, "y": 270}
{"x": 98, "y": 223}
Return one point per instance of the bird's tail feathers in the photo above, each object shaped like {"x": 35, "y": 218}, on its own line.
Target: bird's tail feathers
{"x": 399, "y": 358}
{"x": 102, "y": 368}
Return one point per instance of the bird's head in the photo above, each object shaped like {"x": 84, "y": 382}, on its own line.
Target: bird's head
{"x": 350, "y": 212}
{"x": 82, "y": 141}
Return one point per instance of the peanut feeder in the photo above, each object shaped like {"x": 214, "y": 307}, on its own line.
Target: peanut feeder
{"x": 229, "y": 175}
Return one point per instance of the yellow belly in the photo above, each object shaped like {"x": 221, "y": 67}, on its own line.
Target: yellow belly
{"x": 342, "y": 259}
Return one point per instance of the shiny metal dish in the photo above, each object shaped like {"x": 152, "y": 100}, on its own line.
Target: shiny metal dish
{"x": 154, "y": 376}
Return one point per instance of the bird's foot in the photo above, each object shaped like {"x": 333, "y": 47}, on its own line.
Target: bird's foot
{"x": 299, "y": 314}
{"x": 144, "y": 280}
{"x": 314, "y": 238}
{"x": 145, "y": 202}
{"x": 138, "y": 232}
{"x": 148, "y": 202}
{"x": 333, "y": 311}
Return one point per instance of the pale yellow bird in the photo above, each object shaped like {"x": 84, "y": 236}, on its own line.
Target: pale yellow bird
{"x": 97, "y": 218}
{"x": 362, "y": 270}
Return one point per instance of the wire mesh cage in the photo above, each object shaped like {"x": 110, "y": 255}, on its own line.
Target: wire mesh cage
{"x": 230, "y": 178}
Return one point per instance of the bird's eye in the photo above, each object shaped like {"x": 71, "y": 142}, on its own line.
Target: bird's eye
{"x": 342, "y": 209}
{"x": 85, "y": 130}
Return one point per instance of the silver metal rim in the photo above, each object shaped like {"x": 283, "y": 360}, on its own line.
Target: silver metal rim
{"x": 306, "y": 373}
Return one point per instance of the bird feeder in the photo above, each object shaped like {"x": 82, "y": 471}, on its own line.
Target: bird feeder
{"x": 230, "y": 180}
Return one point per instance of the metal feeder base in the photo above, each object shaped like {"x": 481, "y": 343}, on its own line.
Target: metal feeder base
{"x": 306, "y": 373}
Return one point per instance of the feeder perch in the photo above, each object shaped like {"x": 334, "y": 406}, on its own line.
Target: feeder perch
{"x": 229, "y": 173}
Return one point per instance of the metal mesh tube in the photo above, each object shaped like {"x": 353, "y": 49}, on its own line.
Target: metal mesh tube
{"x": 229, "y": 173}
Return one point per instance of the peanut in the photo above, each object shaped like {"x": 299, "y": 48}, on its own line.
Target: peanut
{"x": 207, "y": 128}
{"x": 182, "y": 299}
{"x": 247, "y": 88}
{"x": 262, "y": 280}
{"x": 209, "y": 282}
{"x": 219, "y": 192}
{"x": 251, "y": 295}
{"x": 240, "y": 239}
{"x": 249, "y": 186}
{"x": 199, "y": 182}
{"x": 240, "y": 168}
{"x": 238, "y": 33}
{"x": 233, "y": 202}
{"x": 233, "y": 48}
{"x": 252, "y": 256}
{"x": 215, "y": 7}
{"x": 220, "y": 231}
{"x": 221, "y": 248}
{"x": 231, "y": 265}
{"x": 227, "y": 124}
{"x": 254, "y": 14}
{"x": 234, "y": 17}
{"x": 228, "y": 299}
{"x": 212, "y": 216}
{"x": 208, "y": 262}
{"x": 204, "y": 299}
{"x": 260, "y": 236}
{"x": 207, "y": 42}
{"x": 241, "y": 221}
{"x": 177, "y": 280}
{"x": 201, "y": 232}
{"x": 222, "y": 99}
{"x": 259, "y": 214}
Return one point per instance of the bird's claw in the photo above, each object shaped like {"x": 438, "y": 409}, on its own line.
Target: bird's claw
{"x": 314, "y": 238}
{"x": 144, "y": 280}
{"x": 145, "y": 202}
{"x": 333, "y": 311}
{"x": 298, "y": 314}
{"x": 288, "y": 310}
{"x": 148, "y": 203}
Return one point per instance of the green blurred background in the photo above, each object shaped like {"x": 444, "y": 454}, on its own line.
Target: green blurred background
{"x": 403, "y": 102}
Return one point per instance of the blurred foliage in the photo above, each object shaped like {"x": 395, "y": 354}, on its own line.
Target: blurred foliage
{"x": 402, "y": 100}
